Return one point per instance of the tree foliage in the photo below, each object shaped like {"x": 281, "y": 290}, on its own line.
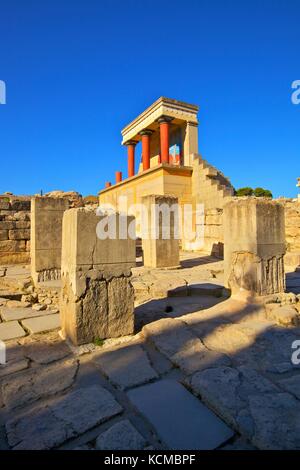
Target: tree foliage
{"x": 257, "y": 192}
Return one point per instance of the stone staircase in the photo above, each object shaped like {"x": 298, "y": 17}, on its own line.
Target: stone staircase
{"x": 211, "y": 182}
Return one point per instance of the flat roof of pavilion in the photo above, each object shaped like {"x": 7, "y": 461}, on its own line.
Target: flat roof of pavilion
{"x": 178, "y": 110}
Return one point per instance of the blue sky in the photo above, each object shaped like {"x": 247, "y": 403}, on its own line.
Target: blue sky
{"x": 77, "y": 71}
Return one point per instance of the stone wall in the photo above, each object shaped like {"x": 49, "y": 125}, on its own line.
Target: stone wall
{"x": 14, "y": 230}
{"x": 15, "y": 224}
{"x": 292, "y": 233}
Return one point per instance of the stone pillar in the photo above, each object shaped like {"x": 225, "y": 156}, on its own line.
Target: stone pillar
{"x": 97, "y": 299}
{"x": 46, "y": 237}
{"x": 130, "y": 151}
{"x": 146, "y": 148}
{"x": 190, "y": 142}
{"x": 254, "y": 246}
{"x": 164, "y": 123}
{"x": 118, "y": 176}
{"x": 159, "y": 222}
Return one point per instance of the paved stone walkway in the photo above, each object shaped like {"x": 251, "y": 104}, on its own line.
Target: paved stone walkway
{"x": 202, "y": 372}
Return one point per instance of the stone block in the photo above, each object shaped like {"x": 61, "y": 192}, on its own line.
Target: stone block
{"x": 161, "y": 231}
{"x": 179, "y": 418}
{"x": 42, "y": 324}
{"x": 3, "y": 235}
{"x": 12, "y": 246}
{"x": 254, "y": 246}
{"x": 7, "y": 224}
{"x": 97, "y": 298}
{"x": 46, "y": 236}
{"x": 21, "y": 234}
{"x": 120, "y": 436}
{"x": 4, "y": 205}
{"x": 11, "y": 330}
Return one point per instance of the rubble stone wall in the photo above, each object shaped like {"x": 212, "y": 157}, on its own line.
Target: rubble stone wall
{"x": 14, "y": 230}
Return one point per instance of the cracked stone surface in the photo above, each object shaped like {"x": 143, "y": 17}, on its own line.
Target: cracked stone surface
{"x": 11, "y": 330}
{"x": 121, "y": 436}
{"x": 181, "y": 345}
{"x": 126, "y": 366}
{"x": 45, "y": 348}
{"x": 49, "y": 426}
{"x": 38, "y": 383}
{"x": 253, "y": 405}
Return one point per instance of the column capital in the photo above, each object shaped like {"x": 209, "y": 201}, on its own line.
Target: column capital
{"x": 146, "y": 132}
{"x": 131, "y": 142}
{"x": 164, "y": 119}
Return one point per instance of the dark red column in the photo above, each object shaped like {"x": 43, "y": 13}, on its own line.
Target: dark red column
{"x": 130, "y": 152}
{"x": 164, "y": 123}
{"x": 146, "y": 148}
{"x": 118, "y": 176}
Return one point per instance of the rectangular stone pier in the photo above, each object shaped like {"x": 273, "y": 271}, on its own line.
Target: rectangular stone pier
{"x": 254, "y": 246}
{"x": 46, "y": 236}
{"x": 160, "y": 252}
{"x": 97, "y": 300}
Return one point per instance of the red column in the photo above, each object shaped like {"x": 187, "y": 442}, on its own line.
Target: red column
{"x": 107, "y": 184}
{"x": 118, "y": 176}
{"x": 130, "y": 151}
{"x": 146, "y": 148}
{"x": 164, "y": 138}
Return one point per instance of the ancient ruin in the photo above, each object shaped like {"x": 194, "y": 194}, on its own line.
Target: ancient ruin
{"x": 120, "y": 323}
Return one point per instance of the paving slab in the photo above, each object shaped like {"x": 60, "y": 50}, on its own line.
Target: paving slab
{"x": 126, "y": 366}
{"x": 42, "y": 324}
{"x": 121, "y": 436}
{"x": 181, "y": 346}
{"x": 19, "y": 313}
{"x": 38, "y": 383}
{"x": 259, "y": 410}
{"x": 45, "y": 348}
{"x": 49, "y": 426}
{"x": 11, "y": 330}
{"x": 179, "y": 418}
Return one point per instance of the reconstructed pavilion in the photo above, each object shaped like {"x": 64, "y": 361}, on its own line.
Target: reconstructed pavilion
{"x": 170, "y": 164}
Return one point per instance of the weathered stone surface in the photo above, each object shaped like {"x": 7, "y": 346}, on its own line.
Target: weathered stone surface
{"x": 46, "y": 236}
{"x": 42, "y": 324}
{"x": 121, "y": 436}
{"x": 181, "y": 421}
{"x": 37, "y": 383}
{"x": 120, "y": 307}
{"x": 253, "y": 405}
{"x": 205, "y": 289}
{"x": 19, "y": 234}
{"x": 49, "y": 426}
{"x": 44, "y": 349}
{"x": 126, "y": 365}
{"x": 285, "y": 315}
{"x": 11, "y": 330}
{"x": 9, "y": 314}
{"x": 97, "y": 299}
{"x": 161, "y": 237}
{"x": 181, "y": 345}
{"x": 254, "y": 242}
{"x": 291, "y": 385}
{"x": 13, "y": 366}
{"x": 39, "y": 307}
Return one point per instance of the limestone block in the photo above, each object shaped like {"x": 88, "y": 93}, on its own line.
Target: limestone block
{"x": 7, "y": 224}
{"x": 3, "y": 235}
{"x": 46, "y": 235}
{"x": 4, "y": 205}
{"x": 160, "y": 252}
{"x": 12, "y": 246}
{"x": 254, "y": 245}
{"x": 97, "y": 298}
{"x": 22, "y": 234}
{"x": 120, "y": 436}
